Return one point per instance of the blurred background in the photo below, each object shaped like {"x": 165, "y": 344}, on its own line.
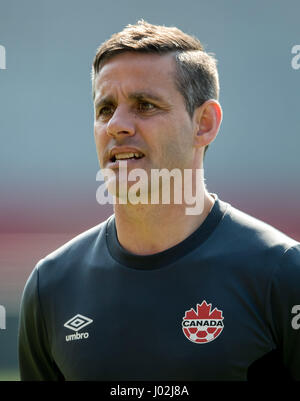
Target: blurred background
{"x": 48, "y": 162}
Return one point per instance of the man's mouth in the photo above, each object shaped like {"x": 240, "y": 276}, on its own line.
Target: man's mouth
{"x": 126, "y": 156}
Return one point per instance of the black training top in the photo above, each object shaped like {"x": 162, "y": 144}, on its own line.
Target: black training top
{"x": 221, "y": 305}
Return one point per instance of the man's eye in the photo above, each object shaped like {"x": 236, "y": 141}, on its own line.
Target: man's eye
{"x": 106, "y": 111}
{"x": 146, "y": 106}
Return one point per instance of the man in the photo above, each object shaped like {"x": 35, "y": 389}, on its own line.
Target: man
{"x": 154, "y": 292}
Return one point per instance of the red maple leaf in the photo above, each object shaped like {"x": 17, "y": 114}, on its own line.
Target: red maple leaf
{"x": 203, "y": 312}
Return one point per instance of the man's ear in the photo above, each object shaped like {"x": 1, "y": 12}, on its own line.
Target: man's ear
{"x": 208, "y": 118}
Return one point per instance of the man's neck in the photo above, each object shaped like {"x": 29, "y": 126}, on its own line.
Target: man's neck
{"x": 149, "y": 229}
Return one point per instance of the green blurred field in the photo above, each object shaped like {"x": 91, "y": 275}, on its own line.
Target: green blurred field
{"x": 9, "y": 375}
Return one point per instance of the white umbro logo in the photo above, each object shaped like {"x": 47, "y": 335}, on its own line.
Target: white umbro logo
{"x": 77, "y": 323}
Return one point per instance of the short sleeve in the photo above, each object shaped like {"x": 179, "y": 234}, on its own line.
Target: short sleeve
{"x": 283, "y": 302}
{"x": 35, "y": 361}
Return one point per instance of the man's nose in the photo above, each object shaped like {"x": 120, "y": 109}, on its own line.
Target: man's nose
{"x": 121, "y": 123}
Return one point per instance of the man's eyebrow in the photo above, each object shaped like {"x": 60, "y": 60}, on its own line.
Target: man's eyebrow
{"x": 104, "y": 100}
{"x": 132, "y": 96}
{"x": 145, "y": 95}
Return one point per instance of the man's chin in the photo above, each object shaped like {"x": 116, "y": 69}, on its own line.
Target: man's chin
{"x": 133, "y": 193}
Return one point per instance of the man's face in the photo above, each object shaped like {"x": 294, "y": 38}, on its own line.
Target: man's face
{"x": 137, "y": 106}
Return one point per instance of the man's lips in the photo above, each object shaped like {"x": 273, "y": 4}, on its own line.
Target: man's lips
{"x": 125, "y": 162}
{"x": 124, "y": 154}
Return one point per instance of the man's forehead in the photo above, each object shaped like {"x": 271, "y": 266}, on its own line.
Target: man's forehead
{"x": 141, "y": 70}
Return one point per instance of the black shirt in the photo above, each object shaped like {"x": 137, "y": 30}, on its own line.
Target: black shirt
{"x": 209, "y": 308}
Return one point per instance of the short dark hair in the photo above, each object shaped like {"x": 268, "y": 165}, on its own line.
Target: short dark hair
{"x": 196, "y": 71}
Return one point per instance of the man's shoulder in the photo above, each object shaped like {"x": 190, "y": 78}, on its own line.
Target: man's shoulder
{"x": 255, "y": 231}
{"x": 76, "y": 250}
{"x": 68, "y": 263}
{"x": 255, "y": 246}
